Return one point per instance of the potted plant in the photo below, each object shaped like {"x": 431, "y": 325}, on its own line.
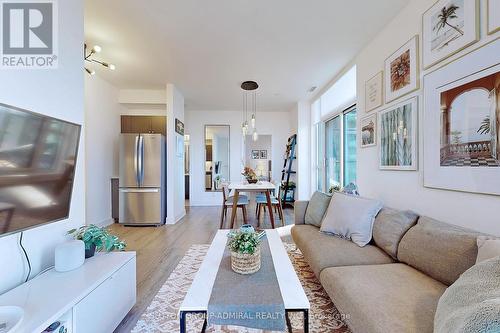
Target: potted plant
{"x": 250, "y": 175}
{"x": 245, "y": 251}
{"x": 97, "y": 239}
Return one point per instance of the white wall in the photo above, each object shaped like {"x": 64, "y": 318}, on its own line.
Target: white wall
{"x": 175, "y": 163}
{"x": 405, "y": 189}
{"x": 58, "y": 93}
{"x": 277, "y": 124}
{"x": 102, "y": 130}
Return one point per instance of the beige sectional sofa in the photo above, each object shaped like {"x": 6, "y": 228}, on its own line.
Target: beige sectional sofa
{"x": 394, "y": 283}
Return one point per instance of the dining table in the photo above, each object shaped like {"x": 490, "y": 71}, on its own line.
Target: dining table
{"x": 260, "y": 187}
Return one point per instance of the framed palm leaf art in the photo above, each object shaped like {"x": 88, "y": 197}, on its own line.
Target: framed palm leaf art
{"x": 401, "y": 71}
{"x": 448, "y": 27}
{"x": 398, "y": 136}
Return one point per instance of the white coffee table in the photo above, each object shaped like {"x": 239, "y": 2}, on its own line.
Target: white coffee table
{"x": 198, "y": 295}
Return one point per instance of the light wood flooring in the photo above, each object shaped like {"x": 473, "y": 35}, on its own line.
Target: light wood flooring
{"x": 159, "y": 249}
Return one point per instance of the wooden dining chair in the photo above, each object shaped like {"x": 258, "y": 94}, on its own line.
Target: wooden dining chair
{"x": 227, "y": 202}
{"x": 261, "y": 201}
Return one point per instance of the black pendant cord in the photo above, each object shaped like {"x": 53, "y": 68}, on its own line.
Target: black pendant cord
{"x": 26, "y": 255}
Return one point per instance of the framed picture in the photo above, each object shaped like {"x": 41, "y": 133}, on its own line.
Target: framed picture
{"x": 401, "y": 71}
{"x": 374, "y": 92}
{"x": 448, "y": 27}
{"x": 462, "y": 124}
{"x": 179, "y": 127}
{"x": 255, "y": 154}
{"x": 493, "y": 16}
{"x": 398, "y": 136}
{"x": 263, "y": 154}
{"x": 368, "y": 131}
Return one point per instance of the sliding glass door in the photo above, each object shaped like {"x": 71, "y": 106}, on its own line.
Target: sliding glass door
{"x": 350, "y": 146}
{"x": 333, "y": 148}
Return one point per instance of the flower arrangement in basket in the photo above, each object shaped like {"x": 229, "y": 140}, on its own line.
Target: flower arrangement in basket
{"x": 250, "y": 175}
{"x": 245, "y": 251}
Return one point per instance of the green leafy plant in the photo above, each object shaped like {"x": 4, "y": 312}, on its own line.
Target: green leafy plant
{"x": 485, "y": 127}
{"x": 243, "y": 242}
{"x": 100, "y": 237}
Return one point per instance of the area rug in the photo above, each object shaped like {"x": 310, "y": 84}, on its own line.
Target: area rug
{"x": 162, "y": 314}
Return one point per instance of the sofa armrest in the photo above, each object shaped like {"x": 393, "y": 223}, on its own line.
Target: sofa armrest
{"x": 299, "y": 208}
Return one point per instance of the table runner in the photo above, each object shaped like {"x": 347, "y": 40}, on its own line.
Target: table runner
{"x": 252, "y": 301}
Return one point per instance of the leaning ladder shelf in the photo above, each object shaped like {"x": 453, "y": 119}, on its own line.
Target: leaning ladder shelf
{"x": 287, "y": 187}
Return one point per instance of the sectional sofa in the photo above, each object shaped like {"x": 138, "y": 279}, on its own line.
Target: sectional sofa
{"x": 394, "y": 283}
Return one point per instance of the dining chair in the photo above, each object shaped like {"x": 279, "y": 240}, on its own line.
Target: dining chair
{"x": 261, "y": 201}
{"x": 227, "y": 202}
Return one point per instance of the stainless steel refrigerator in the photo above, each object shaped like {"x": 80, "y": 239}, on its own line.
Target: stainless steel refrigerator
{"x": 142, "y": 179}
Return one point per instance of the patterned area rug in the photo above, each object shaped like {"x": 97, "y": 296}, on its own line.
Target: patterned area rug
{"x": 161, "y": 314}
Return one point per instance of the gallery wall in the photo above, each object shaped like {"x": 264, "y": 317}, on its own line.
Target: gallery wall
{"x": 278, "y": 124}
{"x": 57, "y": 93}
{"x": 405, "y": 189}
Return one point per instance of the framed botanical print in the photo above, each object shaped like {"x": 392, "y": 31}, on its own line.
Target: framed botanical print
{"x": 374, "y": 92}
{"x": 493, "y": 16}
{"x": 462, "y": 123}
{"x": 263, "y": 154}
{"x": 369, "y": 131}
{"x": 255, "y": 154}
{"x": 401, "y": 71}
{"x": 448, "y": 27}
{"x": 398, "y": 136}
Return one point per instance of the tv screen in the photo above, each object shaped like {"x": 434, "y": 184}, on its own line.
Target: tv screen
{"x": 37, "y": 168}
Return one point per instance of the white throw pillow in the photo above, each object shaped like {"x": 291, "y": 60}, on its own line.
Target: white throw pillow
{"x": 351, "y": 217}
{"x": 487, "y": 248}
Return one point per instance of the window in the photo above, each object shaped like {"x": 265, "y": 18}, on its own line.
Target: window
{"x": 333, "y": 118}
{"x": 340, "y": 151}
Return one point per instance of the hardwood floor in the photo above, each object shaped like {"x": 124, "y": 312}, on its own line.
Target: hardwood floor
{"x": 159, "y": 249}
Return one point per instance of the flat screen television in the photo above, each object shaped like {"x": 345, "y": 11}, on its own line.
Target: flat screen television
{"x": 37, "y": 168}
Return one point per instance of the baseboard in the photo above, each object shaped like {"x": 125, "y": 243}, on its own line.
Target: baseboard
{"x": 105, "y": 223}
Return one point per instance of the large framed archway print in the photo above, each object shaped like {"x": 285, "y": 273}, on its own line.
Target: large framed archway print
{"x": 462, "y": 123}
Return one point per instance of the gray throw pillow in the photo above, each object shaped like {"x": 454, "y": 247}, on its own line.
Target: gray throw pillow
{"x": 472, "y": 303}
{"x": 389, "y": 228}
{"x": 316, "y": 208}
{"x": 351, "y": 217}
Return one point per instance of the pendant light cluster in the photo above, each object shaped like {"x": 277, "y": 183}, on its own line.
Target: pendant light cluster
{"x": 89, "y": 57}
{"x": 249, "y": 92}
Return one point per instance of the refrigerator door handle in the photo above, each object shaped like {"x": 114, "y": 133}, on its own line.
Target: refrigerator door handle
{"x": 140, "y": 190}
{"x": 141, "y": 175}
{"x": 136, "y": 159}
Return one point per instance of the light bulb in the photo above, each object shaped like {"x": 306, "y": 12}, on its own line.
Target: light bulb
{"x": 253, "y": 121}
{"x": 92, "y": 72}
{"x": 97, "y": 49}
{"x": 112, "y": 67}
{"x": 243, "y": 129}
{"x": 255, "y": 135}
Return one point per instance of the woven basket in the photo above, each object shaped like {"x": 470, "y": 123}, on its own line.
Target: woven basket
{"x": 245, "y": 263}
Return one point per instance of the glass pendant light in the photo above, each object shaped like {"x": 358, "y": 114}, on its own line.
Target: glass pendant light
{"x": 253, "y": 121}
{"x": 255, "y": 135}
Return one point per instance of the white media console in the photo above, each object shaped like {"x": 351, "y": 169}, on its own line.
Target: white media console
{"x": 92, "y": 298}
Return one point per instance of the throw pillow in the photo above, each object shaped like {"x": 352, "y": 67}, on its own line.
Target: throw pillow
{"x": 316, "y": 208}
{"x": 472, "y": 303}
{"x": 389, "y": 228}
{"x": 351, "y": 217}
{"x": 487, "y": 248}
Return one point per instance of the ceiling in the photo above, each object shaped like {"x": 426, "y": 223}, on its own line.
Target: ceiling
{"x": 207, "y": 48}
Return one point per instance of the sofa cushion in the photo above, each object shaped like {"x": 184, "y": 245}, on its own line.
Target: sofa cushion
{"x": 487, "y": 248}
{"x": 316, "y": 208}
{"x": 351, "y": 217}
{"x": 321, "y": 250}
{"x": 472, "y": 303}
{"x": 440, "y": 250}
{"x": 390, "y": 226}
{"x": 383, "y": 298}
